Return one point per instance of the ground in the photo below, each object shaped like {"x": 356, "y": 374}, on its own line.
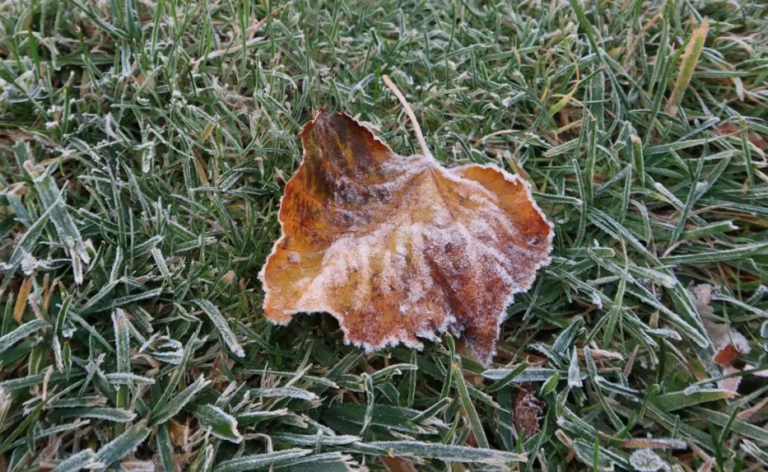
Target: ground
{"x": 144, "y": 147}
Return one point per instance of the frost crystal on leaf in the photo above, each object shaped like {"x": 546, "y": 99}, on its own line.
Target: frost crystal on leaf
{"x": 399, "y": 248}
{"x": 645, "y": 460}
{"x": 574, "y": 372}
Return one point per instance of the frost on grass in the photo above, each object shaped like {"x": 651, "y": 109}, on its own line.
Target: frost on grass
{"x": 574, "y": 372}
{"x": 66, "y": 229}
{"x": 399, "y": 248}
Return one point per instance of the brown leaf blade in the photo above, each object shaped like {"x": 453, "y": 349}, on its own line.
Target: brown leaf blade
{"x": 21, "y": 299}
{"x": 399, "y": 248}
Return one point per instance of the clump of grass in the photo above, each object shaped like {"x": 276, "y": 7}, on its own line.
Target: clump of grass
{"x": 143, "y": 149}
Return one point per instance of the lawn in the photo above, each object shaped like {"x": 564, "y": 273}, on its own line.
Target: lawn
{"x": 144, "y": 148}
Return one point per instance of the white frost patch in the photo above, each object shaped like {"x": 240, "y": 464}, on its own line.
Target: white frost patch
{"x": 29, "y": 264}
{"x": 645, "y": 460}
{"x": 730, "y": 384}
{"x": 596, "y": 300}
{"x": 574, "y": 371}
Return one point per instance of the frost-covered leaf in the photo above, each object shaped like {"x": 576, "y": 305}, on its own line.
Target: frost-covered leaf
{"x": 76, "y": 461}
{"x": 398, "y": 248}
{"x": 729, "y": 343}
{"x": 124, "y": 444}
{"x": 66, "y": 229}
{"x": 116, "y": 415}
{"x": 22, "y": 332}
{"x": 122, "y": 340}
{"x": 534, "y": 374}
{"x": 754, "y": 450}
{"x": 327, "y": 462}
{"x": 253, "y": 417}
{"x": 220, "y": 423}
{"x": 177, "y": 402}
{"x": 597, "y": 460}
{"x": 254, "y": 462}
{"x": 444, "y": 452}
{"x": 316, "y": 440}
{"x": 128, "y": 379}
{"x": 284, "y": 392}
{"x": 681, "y": 399}
{"x": 574, "y": 371}
{"x": 222, "y": 325}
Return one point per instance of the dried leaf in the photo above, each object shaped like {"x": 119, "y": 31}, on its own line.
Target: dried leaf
{"x": 605, "y": 355}
{"x": 179, "y": 432}
{"x": 654, "y": 443}
{"x": 752, "y": 137}
{"x": 726, "y": 355}
{"x": 729, "y": 344}
{"x": 21, "y": 299}
{"x": 527, "y": 409}
{"x": 397, "y": 464}
{"x": 397, "y": 248}
{"x": 745, "y": 415}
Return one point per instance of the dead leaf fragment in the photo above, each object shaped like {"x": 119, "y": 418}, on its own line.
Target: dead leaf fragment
{"x": 732, "y": 129}
{"x": 527, "y": 409}
{"x": 729, "y": 344}
{"x": 397, "y": 464}
{"x": 21, "y": 299}
{"x": 399, "y": 248}
{"x": 726, "y": 355}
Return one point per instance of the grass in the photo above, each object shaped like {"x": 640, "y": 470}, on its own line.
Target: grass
{"x": 143, "y": 149}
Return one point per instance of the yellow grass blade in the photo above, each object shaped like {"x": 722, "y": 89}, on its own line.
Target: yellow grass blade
{"x": 688, "y": 65}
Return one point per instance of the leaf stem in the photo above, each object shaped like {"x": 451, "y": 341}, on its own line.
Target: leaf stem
{"x": 409, "y": 112}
